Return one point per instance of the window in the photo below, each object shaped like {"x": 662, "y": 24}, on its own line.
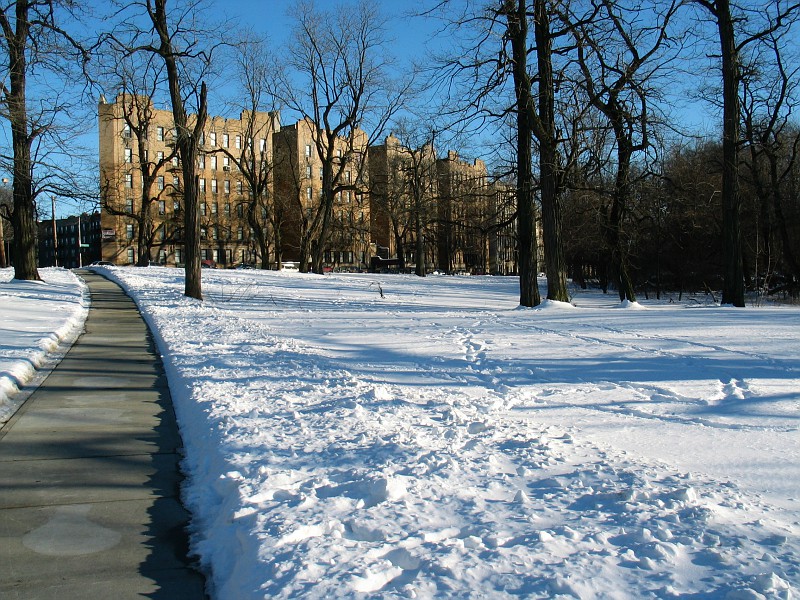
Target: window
{"x": 226, "y": 163}
{"x": 239, "y": 211}
{"x": 162, "y": 207}
{"x": 320, "y": 173}
{"x": 262, "y": 145}
{"x": 308, "y": 171}
{"x": 128, "y": 155}
{"x": 347, "y": 176}
{"x": 160, "y": 134}
{"x": 175, "y": 161}
{"x": 339, "y": 153}
{"x": 308, "y": 149}
{"x": 178, "y": 256}
{"x": 212, "y": 138}
{"x": 160, "y": 182}
{"x": 201, "y": 161}
{"x": 176, "y": 205}
{"x": 237, "y": 141}
{"x": 126, "y": 131}
{"x": 227, "y": 208}
{"x": 129, "y": 231}
{"x": 309, "y": 193}
{"x": 131, "y": 256}
{"x": 214, "y": 208}
{"x": 203, "y": 233}
{"x": 203, "y": 208}
{"x": 225, "y": 140}
{"x": 215, "y": 232}
{"x": 213, "y": 163}
{"x": 129, "y": 205}
{"x": 129, "y": 180}
{"x": 202, "y": 185}
{"x": 159, "y": 156}
{"x": 239, "y": 187}
{"x": 226, "y": 186}
{"x": 175, "y": 182}
{"x": 162, "y": 233}
{"x": 213, "y": 186}
{"x": 240, "y": 233}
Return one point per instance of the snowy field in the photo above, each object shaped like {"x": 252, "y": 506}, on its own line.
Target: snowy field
{"x": 439, "y": 441}
{"x": 35, "y": 318}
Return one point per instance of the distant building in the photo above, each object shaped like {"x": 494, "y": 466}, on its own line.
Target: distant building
{"x": 76, "y": 243}
{"x": 260, "y": 184}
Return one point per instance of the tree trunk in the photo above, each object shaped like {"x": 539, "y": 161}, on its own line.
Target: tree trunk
{"x": 187, "y": 144}
{"x": 733, "y": 283}
{"x": 620, "y": 201}
{"x": 419, "y": 235}
{"x": 526, "y": 202}
{"x": 555, "y": 265}
{"x": 23, "y": 219}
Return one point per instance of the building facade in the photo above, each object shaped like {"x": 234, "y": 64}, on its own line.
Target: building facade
{"x": 268, "y": 193}
{"x": 71, "y": 242}
{"x": 141, "y": 185}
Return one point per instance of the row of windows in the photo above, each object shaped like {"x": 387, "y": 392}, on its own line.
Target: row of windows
{"x": 164, "y": 135}
{"x": 161, "y": 184}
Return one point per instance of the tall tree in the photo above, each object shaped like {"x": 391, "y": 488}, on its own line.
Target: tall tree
{"x": 254, "y": 157}
{"x": 33, "y": 42}
{"x": 618, "y": 59}
{"x": 346, "y": 93}
{"x": 177, "y": 36}
{"x": 517, "y": 33}
{"x": 734, "y": 34}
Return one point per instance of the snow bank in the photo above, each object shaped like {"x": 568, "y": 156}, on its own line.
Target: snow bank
{"x": 35, "y": 317}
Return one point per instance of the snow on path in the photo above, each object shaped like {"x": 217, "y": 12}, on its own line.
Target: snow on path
{"x": 35, "y": 317}
{"x": 442, "y": 442}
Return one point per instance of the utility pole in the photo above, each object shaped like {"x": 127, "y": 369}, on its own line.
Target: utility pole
{"x": 55, "y": 235}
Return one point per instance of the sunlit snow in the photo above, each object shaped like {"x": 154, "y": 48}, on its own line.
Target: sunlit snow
{"x": 390, "y": 436}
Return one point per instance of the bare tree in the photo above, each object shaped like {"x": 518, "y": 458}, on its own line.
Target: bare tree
{"x": 517, "y": 33}
{"x": 403, "y": 182}
{"x": 734, "y": 34}
{"x": 138, "y": 78}
{"x": 347, "y": 95}
{"x": 34, "y": 41}
{"x": 769, "y": 94}
{"x": 178, "y": 36}
{"x": 255, "y": 158}
{"x": 618, "y": 60}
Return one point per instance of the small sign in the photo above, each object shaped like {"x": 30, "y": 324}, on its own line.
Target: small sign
{"x": 109, "y": 234}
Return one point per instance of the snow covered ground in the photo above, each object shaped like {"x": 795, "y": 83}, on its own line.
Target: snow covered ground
{"x": 35, "y": 317}
{"x": 389, "y": 436}
{"x": 441, "y": 441}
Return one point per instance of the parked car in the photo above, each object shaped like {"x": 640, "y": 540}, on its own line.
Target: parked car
{"x": 208, "y": 264}
{"x": 102, "y": 263}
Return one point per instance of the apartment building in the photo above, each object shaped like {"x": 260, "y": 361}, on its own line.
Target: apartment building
{"x": 403, "y": 185}
{"x": 141, "y": 184}
{"x": 267, "y": 191}
{"x": 299, "y": 195}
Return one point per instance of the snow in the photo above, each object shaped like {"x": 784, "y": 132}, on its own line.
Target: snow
{"x": 389, "y": 436}
{"x": 35, "y": 318}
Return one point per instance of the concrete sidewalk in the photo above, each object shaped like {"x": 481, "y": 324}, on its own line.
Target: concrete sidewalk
{"x": 89, "y": 481}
